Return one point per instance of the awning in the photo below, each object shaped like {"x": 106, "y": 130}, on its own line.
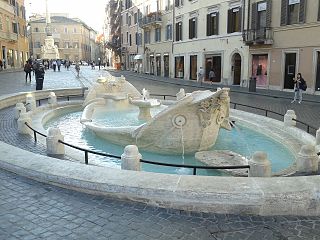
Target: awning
{"x": 137, "y": 57}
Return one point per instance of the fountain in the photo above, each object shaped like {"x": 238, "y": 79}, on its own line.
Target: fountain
{"x": 190, "y": 124}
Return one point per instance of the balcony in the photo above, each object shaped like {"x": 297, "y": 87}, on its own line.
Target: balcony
{"x": 152, "y": 20}
{"x": 262, "y": 36}
{"x": 11, "y": 37}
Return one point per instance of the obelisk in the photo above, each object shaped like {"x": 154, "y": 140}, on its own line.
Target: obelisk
{"x": 49, "y": 50}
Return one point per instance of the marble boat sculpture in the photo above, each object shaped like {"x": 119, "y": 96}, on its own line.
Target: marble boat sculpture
{"x": 187, "y": 125}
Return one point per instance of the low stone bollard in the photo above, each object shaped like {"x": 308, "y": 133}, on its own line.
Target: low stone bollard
{"x": 30, "y": 103}
{"x": 22, "y": 127}
{"x": 290, "y": 114}
{"x": 130, "y": 159}
{"x": 18, "y": 110}
{"x": 307, "y": 160}
{"x": 318, "y": 137}
{"x": 55, "y": 148}
{"x": 181, "y": 94}
{"x": 260, "y": 166}
{"x": 52, "y": 99}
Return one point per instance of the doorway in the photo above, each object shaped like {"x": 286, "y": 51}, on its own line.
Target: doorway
{"x": 236, "y": 69}
{"x": 317, "y": 87}
{"x": 289, "y": 70}
{"x": 158, "y": 65}
{"x": 166, "y": 65}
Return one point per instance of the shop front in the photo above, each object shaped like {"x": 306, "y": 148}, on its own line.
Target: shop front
{"x": 179, "y": 67}
{"x": 260, "y": 69}
{"x": 213, "y": 62}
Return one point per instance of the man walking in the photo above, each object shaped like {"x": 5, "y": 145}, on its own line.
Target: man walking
{"x": 39, "y": 73}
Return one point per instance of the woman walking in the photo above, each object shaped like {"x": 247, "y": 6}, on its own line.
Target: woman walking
{"x": 299, "y": 86}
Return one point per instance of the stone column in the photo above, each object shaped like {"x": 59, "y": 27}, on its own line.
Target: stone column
{"x": 288, "y": 118}
{"x": 22, "y": 127}
{"x": 54, "y": 148}
{"x": 30, "y": 103}
{"x": 131, "y": 158}
{"x": 307, "y": 160}
{"x": 19, "y": 109}
{"x": 52, "y": 99}
{"x": 260, "y": 166}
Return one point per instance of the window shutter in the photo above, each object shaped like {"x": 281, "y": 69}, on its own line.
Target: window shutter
{"x": 177, "y": 31}
{"x": 229, "y": 21}
{"x": 302, "y": 12}
{"x": 284, "y": 12}
{"x": 319, "y": 11}
{"x": 269, "y": 12}
{"x": 217, "y": 24}
{"x": 240, "y": 20}
{"x": 254, "y": 15}
{"x": 208, "y": 24}
{"x": 190, "y": 28}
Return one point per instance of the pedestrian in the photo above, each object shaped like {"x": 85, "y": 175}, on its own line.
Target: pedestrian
{"x": 54, "y": 65}
{"x": 299, "y": 86}
{"x": 212, "y": 75}
{"x": 200, "y": 75}
{"x": 4, "y": 63}
{"x": 1, "y": 65}
{"x": 99, "y": 62}
{"x": 68, "y": 64}
{"x": 28, "y": 70}
{"x": 39, "y": 73}
{"x": 59, "y": 64}
{"x": 77, "y": 67}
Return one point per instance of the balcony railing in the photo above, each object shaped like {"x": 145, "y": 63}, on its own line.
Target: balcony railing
{"x": 258, "y": 36}
{"x": 151, "y": 20}
{"x": 7, "y": 7}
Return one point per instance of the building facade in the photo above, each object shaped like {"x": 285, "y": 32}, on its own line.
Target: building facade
{"x": 74, "y": 39}
{"x": 283, "y": 39}
{"x": 13, "y": 33}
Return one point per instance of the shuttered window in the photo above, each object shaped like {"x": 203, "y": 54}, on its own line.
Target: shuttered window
{"x": 319, "y": 11}
{"x": 234, "y": 20}
{"x": 293, "y": 12}
{"x": 212, "y": 24}
{"x": 192, "y": 28}
{"x": 179, "y": 31}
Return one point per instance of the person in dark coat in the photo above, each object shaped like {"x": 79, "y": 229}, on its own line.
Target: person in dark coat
{"x": 28, "y": 70}
{"x": 39, "y": 74}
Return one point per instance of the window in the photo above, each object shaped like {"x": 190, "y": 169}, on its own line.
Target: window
{"x": 234, "y": 20}
{"x": 37, "y": 44}
{"x": 130, "y": 40}
{"x": 157, "y": 35}
{"x": 179, "y": 67}
{"x": 212, "y": 23}
{"x": 178, "y": 3}
{"x": 179, "y": 31}
{"x": 293, "y": 12}
{"x": 127, "y": 18}
{"x": 135, "y": 18}
{"x": 67, "y": 45}
{"x": 169, "y": 32}
{"x": 14, "y": 27}
{"x": 65, "y": 30}
{"x": 127, "y": 37}
{"x": 138, "y": 39}
{"x": 262, "y": 15}
{"x": 168, "y": 5}
{"x": 75, "y": 45}
{"x": 129, "y": 21}
{"x": 1, "y": 26}
{"x": 192, "y": 28}
{"x": 74, "y": 30}
{"x": 147, "y": 37}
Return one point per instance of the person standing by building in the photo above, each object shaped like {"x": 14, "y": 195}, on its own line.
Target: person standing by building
{"x": 39, "y": 74}
{"x": 99, "y": 63}
{"x": 28, "y": 70}
{"x": 77, "y": 67}
{"x": 59, "y": 64}
{"x": 1, "y": 65}
{"x": 200, "y": 75}
{"x": 211, "y": 75}
{"x": 299, "y": 86}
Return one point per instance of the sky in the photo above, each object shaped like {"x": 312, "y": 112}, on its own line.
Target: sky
{"x": 91, "y": 12}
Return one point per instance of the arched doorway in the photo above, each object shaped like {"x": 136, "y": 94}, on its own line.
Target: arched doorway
{"x": 236, "y": 69}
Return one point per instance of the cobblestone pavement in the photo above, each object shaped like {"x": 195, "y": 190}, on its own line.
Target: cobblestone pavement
{"x": 32, "y": 210}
